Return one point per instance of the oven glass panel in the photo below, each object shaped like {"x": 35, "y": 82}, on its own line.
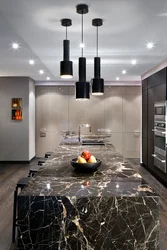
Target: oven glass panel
{"x": 160, "y": 142}
{"x": 160, "y": 110}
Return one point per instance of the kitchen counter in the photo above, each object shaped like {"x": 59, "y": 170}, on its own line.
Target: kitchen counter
{"x": 111, "y": 208}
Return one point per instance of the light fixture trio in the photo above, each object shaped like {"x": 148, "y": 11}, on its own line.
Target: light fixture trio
{"x": 66, "y": 67}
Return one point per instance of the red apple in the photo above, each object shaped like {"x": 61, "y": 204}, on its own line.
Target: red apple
{"x": 86, "y": 155}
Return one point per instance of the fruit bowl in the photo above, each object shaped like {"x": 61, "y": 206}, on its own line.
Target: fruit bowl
{"x": 85, "y": 166}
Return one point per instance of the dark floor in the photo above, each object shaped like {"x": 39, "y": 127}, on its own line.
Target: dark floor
{"x": 10, "y": 174}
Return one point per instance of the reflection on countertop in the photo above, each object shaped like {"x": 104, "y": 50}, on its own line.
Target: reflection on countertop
{"x": 114, "y": 171}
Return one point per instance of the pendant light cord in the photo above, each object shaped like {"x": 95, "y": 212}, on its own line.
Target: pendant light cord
{"x": 66, "y": 32}
{"x": 82, "y": 34}
{"x": 97, "y": 42}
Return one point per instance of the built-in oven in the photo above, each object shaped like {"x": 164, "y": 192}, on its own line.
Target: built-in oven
{"x": 160, "y": 135}
{"x": 160, "y": 138}
{"x": 160, "y": 111}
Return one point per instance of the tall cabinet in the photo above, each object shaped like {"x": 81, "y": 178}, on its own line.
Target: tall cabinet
{"x": 154, "y": 89}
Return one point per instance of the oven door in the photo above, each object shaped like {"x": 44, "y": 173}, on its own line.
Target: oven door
{"x": 160, "y": 143}
{"x": 160, "y": 162}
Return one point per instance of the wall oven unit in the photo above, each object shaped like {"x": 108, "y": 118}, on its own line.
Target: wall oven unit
{"x": 160, "y": 111}
{"x": 160, "y": 135}
{"x": 160, "y": 138}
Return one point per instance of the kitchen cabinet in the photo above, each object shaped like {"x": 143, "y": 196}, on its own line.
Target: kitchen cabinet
{"x": 144, "y": 151}
{"x": 160, "y": 92}
{"x": 150, "y": 158}
{"x": 150, "y": 111}
{"x": 144, "y": 114}
{"x": 153, "y": 90}
{"x": 144, "y": 85}
{"x": 157, "y": 78}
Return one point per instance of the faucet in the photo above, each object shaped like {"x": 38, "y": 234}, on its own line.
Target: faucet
{"x": 79, "y": 130}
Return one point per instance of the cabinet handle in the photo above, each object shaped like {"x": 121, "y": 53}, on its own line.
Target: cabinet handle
{"x": 162, "y": 132}
{"x": 155, "y": 156}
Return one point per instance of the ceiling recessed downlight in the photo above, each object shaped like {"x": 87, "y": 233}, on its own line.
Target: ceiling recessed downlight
{"x": 124, "y": 72}
{"x": 31, "y": 62}
{"x": 41, "y": 72}
{"x": 150, "y": 45}
{"x": 117, "y": 78}
{"x": 15, "y": 46}
{"x": 48, "y": 78}
{"x": 133, "y": 62}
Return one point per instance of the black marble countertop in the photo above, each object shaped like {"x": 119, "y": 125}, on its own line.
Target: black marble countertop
{"x": 115, "y": 177}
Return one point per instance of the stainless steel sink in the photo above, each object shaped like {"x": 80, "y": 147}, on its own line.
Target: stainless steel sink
{"x": 93, "y": 142}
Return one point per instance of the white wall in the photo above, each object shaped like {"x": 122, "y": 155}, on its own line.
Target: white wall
{"x": 118, "y": 110}
{"x": 14, "y": 135}
{"x": 31, "y": 119}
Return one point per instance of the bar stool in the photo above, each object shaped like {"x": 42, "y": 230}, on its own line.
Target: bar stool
{"x": 48, "y": 154}
{"x": 41, "y": 161}
{"x": 23, "y": 182}
{"x": 33, "y": 170}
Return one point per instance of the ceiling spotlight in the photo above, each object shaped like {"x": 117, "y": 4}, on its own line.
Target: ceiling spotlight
{"x": 31, "y": 62}
{"x": 41, "y": 72}
{"x": 150, "y": 45}
{"x": 15, "y": 46}
{"x": 133, "y": 62}
{"x": 82, "y": 45}
{"x": 124, "y": 72}
{"x": 117, "y": 78}
{"x": 48, "y": 78}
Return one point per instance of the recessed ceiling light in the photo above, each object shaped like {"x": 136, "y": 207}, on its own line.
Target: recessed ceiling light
{"x": 124, "y": 72}
{"x": 150, "y": 45}
{"x": 117, "y": 78}
{"x": 48, "y": 78}
{"x": 41, "y": 72}
{"x": 133, "y": 62}
{"x": 82, "y": 45}
{"x": 31, "y": 62}
{"x": 15, "y": 46}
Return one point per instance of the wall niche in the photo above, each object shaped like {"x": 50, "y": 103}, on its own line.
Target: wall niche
{"x": 17, "y": 112}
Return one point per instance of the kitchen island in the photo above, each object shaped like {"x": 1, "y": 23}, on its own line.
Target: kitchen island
{"x": 65, "y": 209}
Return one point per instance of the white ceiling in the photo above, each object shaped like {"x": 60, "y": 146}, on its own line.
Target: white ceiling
{"x": 128, "y": 26}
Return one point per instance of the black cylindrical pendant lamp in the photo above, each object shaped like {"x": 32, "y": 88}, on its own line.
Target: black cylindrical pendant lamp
{"x": 66, "y": 66}
{"x": 82, "y": 86}
{"x": 97, "y": 82}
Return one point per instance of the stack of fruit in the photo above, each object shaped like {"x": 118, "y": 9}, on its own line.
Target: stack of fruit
{"x": 86, "y": 157}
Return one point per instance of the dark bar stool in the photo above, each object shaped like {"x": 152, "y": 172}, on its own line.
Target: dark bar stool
{"x": 41, "y": 161}
{"x": 33, "y": 170}
{"x": 48, "y": 154}
{"x": 23, "y": 182}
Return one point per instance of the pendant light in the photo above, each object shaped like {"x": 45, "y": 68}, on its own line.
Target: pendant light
{"x": 97, "y": 81}
{"x": 66, "y": 66}
{"x": 82, "y": 86}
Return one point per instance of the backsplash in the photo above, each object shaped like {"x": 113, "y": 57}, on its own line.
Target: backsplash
{"x": 118, "y": 111}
